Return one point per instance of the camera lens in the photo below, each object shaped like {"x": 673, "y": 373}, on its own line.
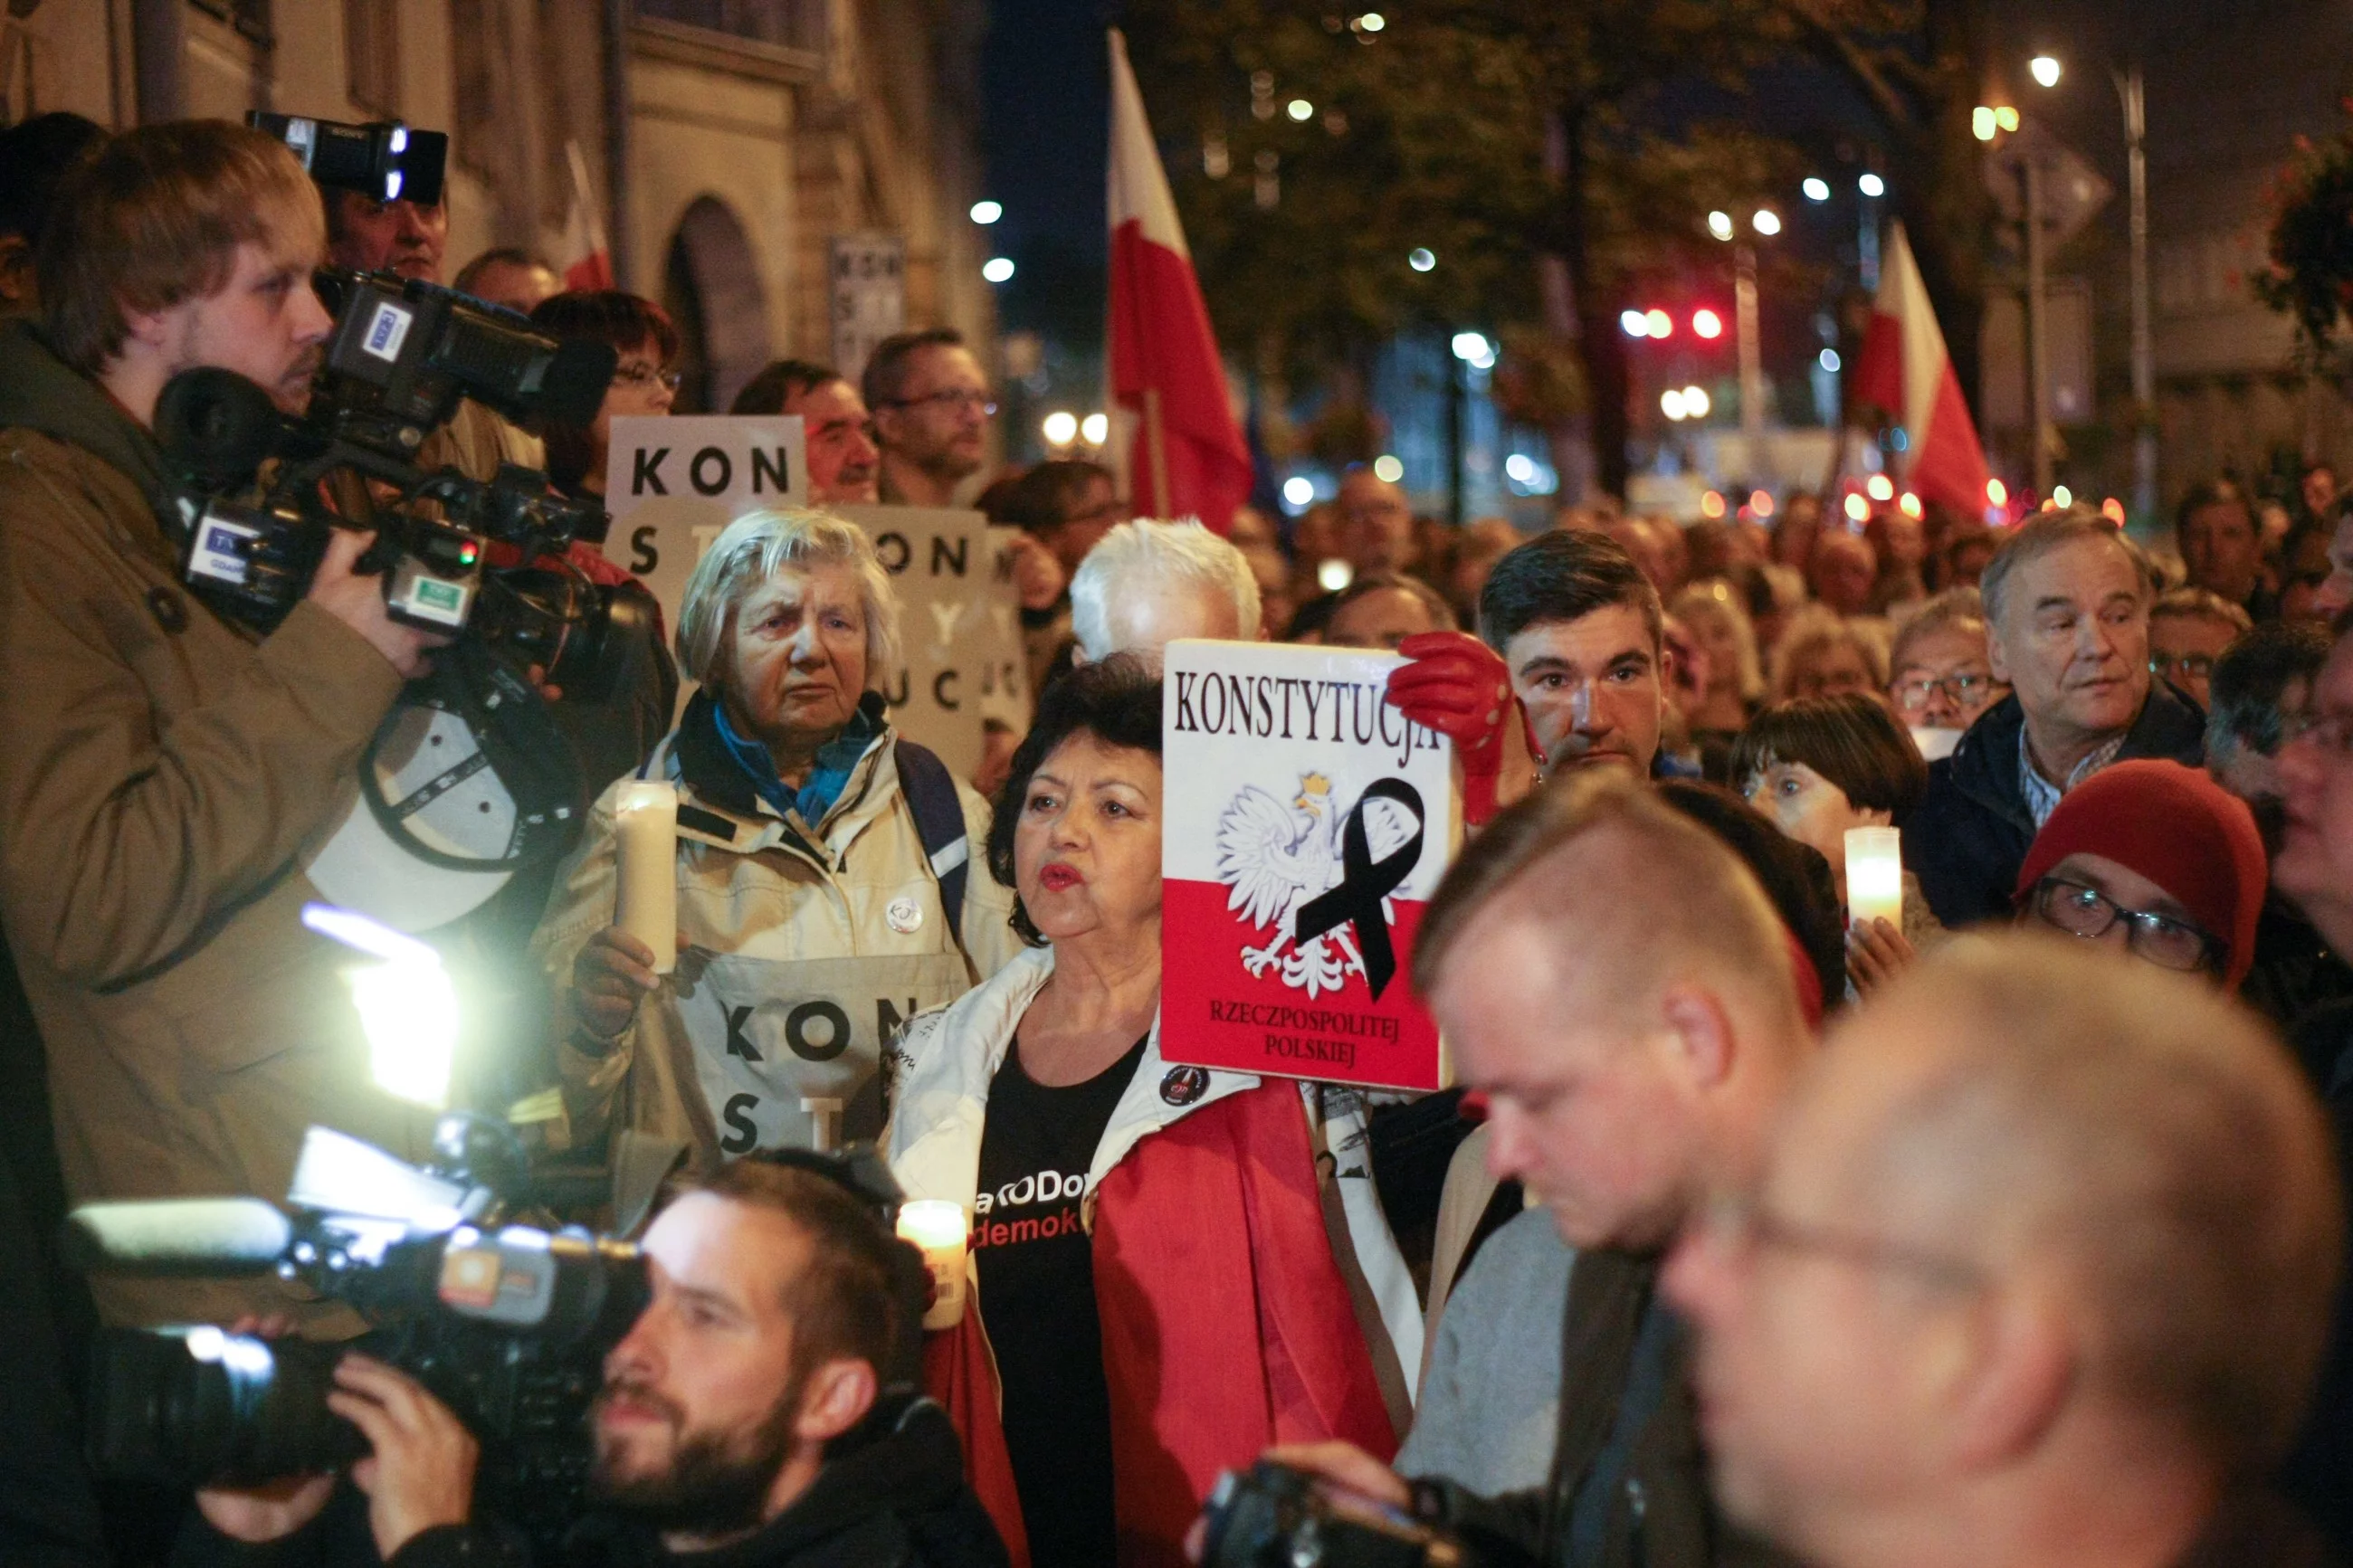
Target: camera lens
{"x": 202, "y": 1405}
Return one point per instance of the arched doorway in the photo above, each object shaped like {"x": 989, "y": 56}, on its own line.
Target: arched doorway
{"x": 710, "y": 285}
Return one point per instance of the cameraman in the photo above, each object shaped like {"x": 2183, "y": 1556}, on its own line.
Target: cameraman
{"x": 746, "y": 1409}
{"x": 164, "y": 771}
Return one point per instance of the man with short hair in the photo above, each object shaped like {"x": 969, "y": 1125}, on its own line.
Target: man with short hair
{"x": 2222, "y": 547}
{"x": 932, "y": 407}
{"x": 1843, "y": 572}
{"x": 1149, "y": 584}
{"x": 509, "y": 276}
{"x": 1579, "y": 628}
{"x": 1383, "y": 610}
{"x": 2067, "y": 602}
{"x": 761, "y": 1405}
{"x": 2036, "y": 1270}
{"x": 1376, "y": 524}
{"x": 1619, "y": 986}
{"x": 843, "y": 461}
{"x": 167, "y": 771}
{"x": 2187, "y": 630}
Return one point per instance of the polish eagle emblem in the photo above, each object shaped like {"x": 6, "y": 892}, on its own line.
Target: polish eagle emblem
{"x": 1278, "y": 856}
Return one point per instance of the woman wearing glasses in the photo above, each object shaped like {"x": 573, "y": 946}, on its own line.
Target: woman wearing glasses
{"x": 1942, "y": 677}
{"x": 2155, "y": 860}
{"x": 643, "y": 382}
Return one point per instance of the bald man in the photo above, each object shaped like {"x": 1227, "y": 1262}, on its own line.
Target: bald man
{"x": 1619, "y": 986}
{"x": 2040, "y": 1259}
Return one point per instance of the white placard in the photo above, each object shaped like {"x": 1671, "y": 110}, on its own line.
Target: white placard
{"x": 672, "y": 484}
{"x": 869, "y": 296}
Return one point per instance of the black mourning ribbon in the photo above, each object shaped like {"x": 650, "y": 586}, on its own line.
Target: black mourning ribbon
{"x": 1364, "y": 883}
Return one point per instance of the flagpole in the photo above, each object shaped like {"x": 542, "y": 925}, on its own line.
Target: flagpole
{"x": 1155, "y": 451}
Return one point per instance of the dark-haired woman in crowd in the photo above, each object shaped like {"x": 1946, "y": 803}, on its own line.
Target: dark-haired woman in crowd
{"x": 1155, "y": 1295}
{"x": 1820, "y": 766}
{"x": 643, "y": 382}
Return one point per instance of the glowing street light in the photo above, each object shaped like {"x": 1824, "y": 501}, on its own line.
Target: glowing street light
{"x": 1300, "y": 110}
{"x": 1871, "y": 185}
{"x": 1857, "y": 508}
{"x": 1981, "y": 123}
{"x": 1707, "y": 324}
{"x": 1879, "y": 487}
{"x": 1671, "y": 403}
{"x": 1829, "y": 360}
{"x": 1817, "y": 189}
{"x": 1661, "y": 324}
{"x": 2006, "y": 117}
{"x": 1695, "y": 404}
{"x": 1371, "y": 22}
{"x": 1095, "y": 429}
{"x": 998, "y": 268}
{"x": 987, "y": 212}
{"x": 1634, "y": 324}
{"x": 1421, "y": 258}
{"x": 1719, "y": 224}
{"x": 1766, "y": 221}
{"x": 1299, "y": 490}
{"x": 2045, "y": 70}
{"x": 1060, "y": 427}
{"x": 1387, "y": 468}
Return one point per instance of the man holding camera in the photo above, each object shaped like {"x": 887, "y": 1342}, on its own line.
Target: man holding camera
{"x": 167, "y": 773}
{"x": 751, "y": 1408}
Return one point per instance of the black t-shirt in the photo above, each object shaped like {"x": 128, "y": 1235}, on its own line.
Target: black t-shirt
{"x": 1037, "y": 1297}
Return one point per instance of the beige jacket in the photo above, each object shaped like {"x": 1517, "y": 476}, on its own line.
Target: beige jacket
{"x": 802, "y": 954}
{"x": 165, "y": 778}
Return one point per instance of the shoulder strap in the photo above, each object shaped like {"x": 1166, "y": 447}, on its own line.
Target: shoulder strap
{"x": 939, "y": 823}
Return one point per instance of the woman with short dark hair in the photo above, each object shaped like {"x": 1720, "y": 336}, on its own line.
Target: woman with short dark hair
{"x": 1155, "y": 1295}
{"x": 644, "y": 381}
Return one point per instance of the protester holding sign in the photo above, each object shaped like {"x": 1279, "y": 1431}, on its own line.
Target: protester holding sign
{"x": 1158, "y": 1294}
{"x": 824, "y": 887}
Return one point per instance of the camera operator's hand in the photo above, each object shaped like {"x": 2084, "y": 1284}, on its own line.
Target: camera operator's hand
{"x": 273, "y": 1509}
{"x": 358, "y": 603}
{"x": 614, "y": 973}
{"x": 421, "y": 1473}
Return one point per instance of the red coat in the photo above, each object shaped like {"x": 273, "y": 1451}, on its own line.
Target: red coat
{"x": 1226, "y": 1324}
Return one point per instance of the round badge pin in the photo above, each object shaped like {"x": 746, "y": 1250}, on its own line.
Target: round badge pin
{"x": 904, "y": 915}
{"x": 1183, "y": 1086}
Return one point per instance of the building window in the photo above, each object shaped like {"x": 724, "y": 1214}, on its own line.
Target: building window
{"x": 792, "y": 24}
{"x": 372, "y": 56}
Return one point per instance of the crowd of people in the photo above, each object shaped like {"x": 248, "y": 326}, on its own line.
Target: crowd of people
{"x": 2006, "y": 1231}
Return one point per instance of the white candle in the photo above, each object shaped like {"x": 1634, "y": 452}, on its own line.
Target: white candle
{"x": 938, "y": 1228}
{"x": 646, "y": 906}
{"x": 1874, "y": 876}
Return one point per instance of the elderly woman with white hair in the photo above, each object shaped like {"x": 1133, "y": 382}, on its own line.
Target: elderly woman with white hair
{"x": 826, "y": 887}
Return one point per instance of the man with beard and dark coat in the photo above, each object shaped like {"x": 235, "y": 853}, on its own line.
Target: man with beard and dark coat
{"x": 759, "y": 1414}
{"x": 2067, "y": 602}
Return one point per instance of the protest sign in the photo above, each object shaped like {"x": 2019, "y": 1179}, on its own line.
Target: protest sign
{"x": 672, "y": 484}
{"x": 1306, "y": 823}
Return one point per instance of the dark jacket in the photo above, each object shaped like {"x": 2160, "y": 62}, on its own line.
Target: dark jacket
{"x": 1622, "y": 1353}
{"x": 896, "y": 1499}
{"x": 1969, "y": 834}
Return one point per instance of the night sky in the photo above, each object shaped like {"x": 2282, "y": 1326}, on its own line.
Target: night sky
{"x": 1046, "y": 78}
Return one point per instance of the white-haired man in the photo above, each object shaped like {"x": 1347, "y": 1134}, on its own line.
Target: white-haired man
{"x": 1149, "y": 584}
{"x": 823, "y": 862}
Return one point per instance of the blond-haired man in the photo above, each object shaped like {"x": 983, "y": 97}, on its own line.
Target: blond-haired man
{"x": 167, "y": 773}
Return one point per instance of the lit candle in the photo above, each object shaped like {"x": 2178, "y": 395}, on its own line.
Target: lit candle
{"x": 937, "y": 1227}
{"x": 646, "y": 906}
{"x": 1874, "y": 876}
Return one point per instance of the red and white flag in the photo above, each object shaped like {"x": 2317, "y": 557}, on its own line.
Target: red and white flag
{"x": 1177, "y": 441}
{"x": 1905, "y": 370}
{"x": 587, "y": 259}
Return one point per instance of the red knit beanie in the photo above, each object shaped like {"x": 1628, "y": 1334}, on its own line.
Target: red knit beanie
{"x": 2179, "y": 828}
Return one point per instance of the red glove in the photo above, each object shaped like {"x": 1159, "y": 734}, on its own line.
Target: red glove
{"x": 1460, "y": 688}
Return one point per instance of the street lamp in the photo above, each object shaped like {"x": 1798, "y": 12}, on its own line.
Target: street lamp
{"x": 2127, "y": 80}
{"x": 1768, "y": 223}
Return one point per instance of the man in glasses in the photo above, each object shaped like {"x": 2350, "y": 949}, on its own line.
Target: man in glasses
{"x": 2038, "y": 1265}
{"x": 2187, "y": 630}
{"x": 932, "y": 407}
{"x": 1942, "y": 680}
{"x": 1619, "y": 986}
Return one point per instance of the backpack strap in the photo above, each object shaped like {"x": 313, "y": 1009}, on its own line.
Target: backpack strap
{"x": 939, "y": 823}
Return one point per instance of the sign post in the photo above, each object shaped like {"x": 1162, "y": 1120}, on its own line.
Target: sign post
{"x": 1306, "y": 825}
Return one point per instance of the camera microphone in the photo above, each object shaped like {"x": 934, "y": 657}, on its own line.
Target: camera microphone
{"x": 176, "y": 1238}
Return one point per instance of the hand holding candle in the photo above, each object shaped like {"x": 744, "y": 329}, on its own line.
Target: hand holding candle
{"x": 938, "y": 1228}
{"x": 646, "y": 830}
{"x": 1874, "y": 876}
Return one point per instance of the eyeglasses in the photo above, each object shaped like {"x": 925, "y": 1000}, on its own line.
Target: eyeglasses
{"x": 2083, "y": 910}
{"x": 647, "y": 375}
{"x": 1742, "y": 1222}
{"x": 2180, "y": 665}
{"x": 953, "y": 400}
{"x": 1913, "y": 692}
